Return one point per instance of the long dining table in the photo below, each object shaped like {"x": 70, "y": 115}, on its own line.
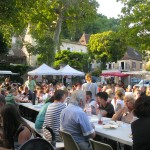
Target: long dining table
{"x": 30, "y": 111}
{"x": 121, "y": 133}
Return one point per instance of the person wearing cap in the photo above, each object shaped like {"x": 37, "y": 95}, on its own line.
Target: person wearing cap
{"x": 75, "y": 121}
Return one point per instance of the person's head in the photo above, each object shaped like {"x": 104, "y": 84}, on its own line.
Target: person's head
{"x": 59, "y": 95}
{"x": 142, "y": 107}
{"x": 110, "y": 93}
{"x": 2, "y": 101}
{"x": 104, "y": 88}
{"x": 119, "y": 94}
{"x": 7, "y": 80}
{"x": 137, "y": 93}
{"x": 11, "y": 119}
{"x": 77, "y": 98}
{"x": 29, "y": 78}
{"x": 88, "y": 77}
{"x": 102, "y": 97}
{"x": 129, "y": 101}
{"x": 78, "y": 85}
{"x": 88, "y": 96}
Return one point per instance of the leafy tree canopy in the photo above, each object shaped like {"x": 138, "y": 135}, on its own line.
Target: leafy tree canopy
{"x": 77, "y": 60}
{"x": 106, "y": 46}
{"x": 135, "y": 23}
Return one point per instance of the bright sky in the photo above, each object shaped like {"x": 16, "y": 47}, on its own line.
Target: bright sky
{"x": 109, "y": 8}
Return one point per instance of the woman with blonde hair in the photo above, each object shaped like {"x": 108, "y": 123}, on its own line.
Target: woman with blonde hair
{"x": 125, "y": 114}
{"x": 119, "y": 100}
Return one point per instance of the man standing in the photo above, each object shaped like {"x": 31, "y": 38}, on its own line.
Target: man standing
{"x": 30, "y": 84}
{"x": 52, "y": 117}
{"x": 89, "y": 86}
{"x": 75, "y": 121}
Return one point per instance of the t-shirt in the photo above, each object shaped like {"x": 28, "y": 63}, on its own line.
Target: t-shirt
{"x": 30, "y": 84}
{"x": 41, "y": 116}
{"x": 109, "y": 109}
{"x": 121, "y": 102}
{"x": 52, "y": 119}
{"x": 91, "y": 87}
{"x": 10, "y": 99}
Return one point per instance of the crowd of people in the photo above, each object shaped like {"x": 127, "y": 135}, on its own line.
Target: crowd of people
{"x": 68, "y": 109}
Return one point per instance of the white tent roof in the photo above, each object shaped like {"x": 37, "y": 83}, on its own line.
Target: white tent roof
{"x": 67, "y": 70}
{"x": 43, "y": 70}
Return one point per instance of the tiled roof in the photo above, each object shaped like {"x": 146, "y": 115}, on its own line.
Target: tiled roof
{"x": 131, "y": 53}
{"x": 84, "y": 39}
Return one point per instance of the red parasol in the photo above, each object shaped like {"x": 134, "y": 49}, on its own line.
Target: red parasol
{"x": 118, "y": 74}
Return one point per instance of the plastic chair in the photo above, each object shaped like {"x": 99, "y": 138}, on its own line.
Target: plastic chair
{"x": 36, "y": 144}
{"x": 100, "y": 146}
{"x": 69, "y": 142}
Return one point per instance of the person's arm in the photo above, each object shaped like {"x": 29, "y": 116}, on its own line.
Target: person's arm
{"x": 118, "y": 114}
{"x": 92, "y": 135}
{"x": 24, "y": 136}
{"x": 104, "y": 113}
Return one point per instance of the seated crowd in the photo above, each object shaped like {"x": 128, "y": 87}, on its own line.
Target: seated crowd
{"x": 68, "y": 109}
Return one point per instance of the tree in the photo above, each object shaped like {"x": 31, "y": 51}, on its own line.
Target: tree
{"x": 102, "y": 24}
{"x": 77, "y": 60}
{"x": 106, "y": 47}
{"x": 45, "y": 17}
{"x": 135, "y": 23}
{"x": 147, "y": 67}
{"x": 3, "y": 45}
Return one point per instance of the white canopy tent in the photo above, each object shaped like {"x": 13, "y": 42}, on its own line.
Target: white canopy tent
{"x": 43, "y": 70}
{"x": 67, "y": 70}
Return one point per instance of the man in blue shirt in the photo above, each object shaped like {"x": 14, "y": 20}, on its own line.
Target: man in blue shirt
{"x": 75, "y": 121}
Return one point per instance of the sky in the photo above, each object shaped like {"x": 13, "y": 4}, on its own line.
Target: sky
{"x": 109, "y": 8}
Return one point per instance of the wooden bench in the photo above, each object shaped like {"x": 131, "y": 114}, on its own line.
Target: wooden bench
{"x": 59, "y": 145}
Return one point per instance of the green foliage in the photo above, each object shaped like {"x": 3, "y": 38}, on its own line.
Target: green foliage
{"x": 44, "y": 48}
{"x": 106, "y": 47}
{"x": 21, "y": 69}
{"x": 102, "y": 24}
{"x": 135, "y": 23}
{"x": 148, "y": 66}
{"x": 77, "y": 60}
{"x": 3, "y": 45}
{"x": 96, "y": 73}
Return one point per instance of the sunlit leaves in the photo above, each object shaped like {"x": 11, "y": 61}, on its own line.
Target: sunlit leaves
{"x": 106, "y": 46}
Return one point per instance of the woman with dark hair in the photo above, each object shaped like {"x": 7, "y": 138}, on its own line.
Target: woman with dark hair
{"x": 15, "y": 130}
{"x": 141, "y": 127}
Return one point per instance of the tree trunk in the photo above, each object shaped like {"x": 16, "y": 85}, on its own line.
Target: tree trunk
{"x": 57, "y": 32}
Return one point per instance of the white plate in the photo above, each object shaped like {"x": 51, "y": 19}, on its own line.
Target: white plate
{"x": 110, "y": 126}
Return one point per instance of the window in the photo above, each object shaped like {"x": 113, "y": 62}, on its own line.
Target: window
{"x": 122, "y": 66}
{"x": 109, "y": 66}
{"x": 133, "y": 65}
{"x": 141, "y": 65}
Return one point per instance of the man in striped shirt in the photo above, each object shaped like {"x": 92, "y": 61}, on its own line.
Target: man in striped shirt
{"x": 52, "y": 117}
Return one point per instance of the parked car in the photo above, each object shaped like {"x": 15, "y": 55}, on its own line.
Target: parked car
{"x": 135, "y": 81}
{"x": 143, "y": 83}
